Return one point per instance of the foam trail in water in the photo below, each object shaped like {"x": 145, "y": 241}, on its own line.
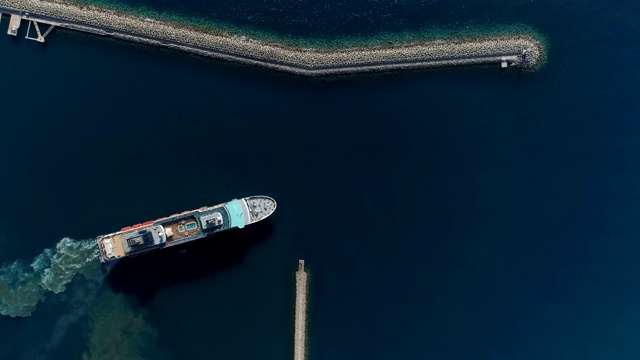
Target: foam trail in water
{"x": 22, "y": 287}
{"x": 81, "y": 300}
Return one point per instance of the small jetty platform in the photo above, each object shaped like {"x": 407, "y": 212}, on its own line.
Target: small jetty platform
{"x": 300, "y": 337}
{"x": 14, "y": 25}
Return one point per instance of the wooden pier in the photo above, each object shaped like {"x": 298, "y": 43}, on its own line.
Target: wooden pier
{"x": 300, "y": 335}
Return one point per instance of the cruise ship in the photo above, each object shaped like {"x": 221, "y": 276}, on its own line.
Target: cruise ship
{"x": 184, "y": 227}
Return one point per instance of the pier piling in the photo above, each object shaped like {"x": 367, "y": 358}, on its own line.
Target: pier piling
{"x": 300, "y": 335}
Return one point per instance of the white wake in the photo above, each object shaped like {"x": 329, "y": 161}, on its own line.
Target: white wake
{"x": 22, "y": 286}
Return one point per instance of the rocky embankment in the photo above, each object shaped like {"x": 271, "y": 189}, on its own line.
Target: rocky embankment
{"x": 449, "y": 52}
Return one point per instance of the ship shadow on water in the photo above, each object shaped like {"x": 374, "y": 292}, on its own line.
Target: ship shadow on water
{"x": 143, "y": 275}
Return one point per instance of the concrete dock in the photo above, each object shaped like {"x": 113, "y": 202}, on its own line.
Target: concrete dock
{"x": 300, "y": 335}
{"x": 14, "y": 25}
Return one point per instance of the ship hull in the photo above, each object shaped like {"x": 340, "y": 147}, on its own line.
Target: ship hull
{"x": 184, "y": 227}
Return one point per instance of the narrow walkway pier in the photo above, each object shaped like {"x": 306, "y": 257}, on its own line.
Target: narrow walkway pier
{"x": 300, "y": 335}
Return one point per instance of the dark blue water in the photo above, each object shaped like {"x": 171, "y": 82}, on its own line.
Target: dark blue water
{"x": 450, "y": 214}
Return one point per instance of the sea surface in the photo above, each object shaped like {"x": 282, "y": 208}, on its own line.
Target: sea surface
{"x": 443, "y": 214}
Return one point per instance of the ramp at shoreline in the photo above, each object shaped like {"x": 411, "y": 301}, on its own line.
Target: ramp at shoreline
{"x": 521, "y": 51}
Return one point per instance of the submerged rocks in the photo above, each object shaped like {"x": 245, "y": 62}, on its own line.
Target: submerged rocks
{"x": 519, "y": 50}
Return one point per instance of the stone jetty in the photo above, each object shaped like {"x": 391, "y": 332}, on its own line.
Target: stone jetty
{"x": 518, "y": 50}
{"x": 300, "y": 334}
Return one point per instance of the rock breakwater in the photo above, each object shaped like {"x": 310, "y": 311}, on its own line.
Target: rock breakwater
{"x": 518, "y": 50}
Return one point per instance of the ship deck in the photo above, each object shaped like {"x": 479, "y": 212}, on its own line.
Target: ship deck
{"x": 188, "y": 225}
{"x": 116, "y": 242}
{"x": 117, "y": 245}
{"x": 182, "y": 228}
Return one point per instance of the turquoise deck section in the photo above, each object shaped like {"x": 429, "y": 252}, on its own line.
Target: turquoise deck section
{"x": 236, "y": 214}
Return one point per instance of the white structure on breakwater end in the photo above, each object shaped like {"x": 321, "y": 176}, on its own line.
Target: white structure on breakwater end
{"x": 518, "y": 50}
